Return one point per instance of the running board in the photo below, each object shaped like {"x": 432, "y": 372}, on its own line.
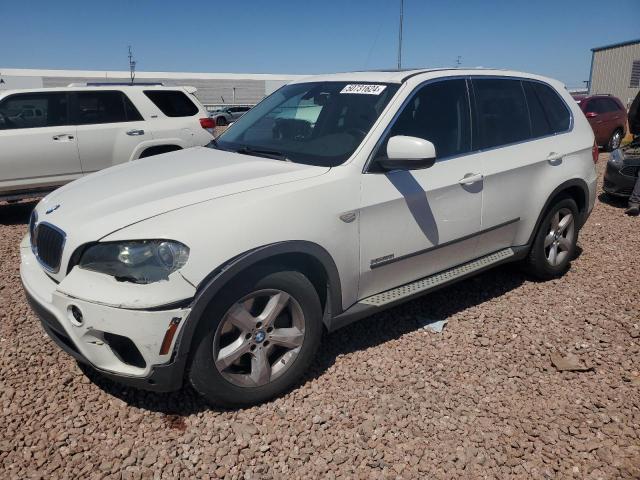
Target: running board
{"x": 428, "y": 283}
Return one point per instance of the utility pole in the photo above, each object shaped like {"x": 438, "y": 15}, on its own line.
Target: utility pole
{"x": 458, "y": 61}
{"x": 132, "y": 66}
{"x": 400, "y": 35}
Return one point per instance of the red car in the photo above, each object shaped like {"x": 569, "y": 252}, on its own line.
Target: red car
{"x": 607, "y": 117}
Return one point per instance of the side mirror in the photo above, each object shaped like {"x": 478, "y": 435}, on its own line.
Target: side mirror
{"x": 408, "y": 153}
{"x": 591, "y": 114}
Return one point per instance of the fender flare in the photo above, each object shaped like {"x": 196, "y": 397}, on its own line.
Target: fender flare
{"x": 214, "y": 282}
{"x": 576, "y": 182}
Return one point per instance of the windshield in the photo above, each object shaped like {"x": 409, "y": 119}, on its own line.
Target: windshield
{"x": 319, "y": 123}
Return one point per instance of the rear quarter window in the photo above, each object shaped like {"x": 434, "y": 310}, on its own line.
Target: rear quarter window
{"x": 172, "y": 103}
{"x": 555, "y": 109}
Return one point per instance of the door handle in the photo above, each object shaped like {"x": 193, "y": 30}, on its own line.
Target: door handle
{"x": 62, "y": 137}
{"x": 554, "y": 158}
{"x": 470, "y": 178}
{"x": 135, "y": 133}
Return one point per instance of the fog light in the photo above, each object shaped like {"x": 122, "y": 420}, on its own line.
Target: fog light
{"x": 75, "y": 315}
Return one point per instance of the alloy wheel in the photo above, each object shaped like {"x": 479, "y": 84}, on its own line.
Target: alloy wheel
{"x": 560, "y": 238}
{"x": 259, "y": 338}
{"x": 616, "y": 140}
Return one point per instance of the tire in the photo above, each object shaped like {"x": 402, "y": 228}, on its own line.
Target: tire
{"x": 221, "y": 122}
{"x": 615, "y": 140}
{"x": 540, "y": 261}
{"x": 239, "y": 378}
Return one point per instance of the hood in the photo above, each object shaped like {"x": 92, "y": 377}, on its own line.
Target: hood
{"x": 111, "y": 199}
{"x": 634, "y": 116}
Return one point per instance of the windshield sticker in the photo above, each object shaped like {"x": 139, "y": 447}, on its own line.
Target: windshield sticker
{"x": 364, "y": 89}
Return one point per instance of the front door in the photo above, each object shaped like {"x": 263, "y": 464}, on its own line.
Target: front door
{"x": 37, "y": 143}
{"x": 416, "y": 223}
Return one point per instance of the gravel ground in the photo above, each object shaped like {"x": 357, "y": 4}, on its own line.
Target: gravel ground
{"x": 385, "y": 398}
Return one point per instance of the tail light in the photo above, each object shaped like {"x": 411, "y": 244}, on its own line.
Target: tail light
{"x": 594, "y": 152}
{"x": 208, "y": 124}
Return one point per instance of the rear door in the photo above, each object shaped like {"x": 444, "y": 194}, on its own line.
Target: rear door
{"x": 37, "y": 141}
{"x": 109, "y": 128}
{"x": 520, "y": 127}
{"x": 599, "y": 120}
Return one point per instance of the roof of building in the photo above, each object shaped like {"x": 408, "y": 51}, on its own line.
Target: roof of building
{"x": 616, "y": 45}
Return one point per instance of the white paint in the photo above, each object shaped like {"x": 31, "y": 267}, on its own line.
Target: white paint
{"x": 222, "y": 204}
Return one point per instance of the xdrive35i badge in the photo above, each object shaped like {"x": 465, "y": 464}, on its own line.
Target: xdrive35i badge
{"x": 52, "y": 209}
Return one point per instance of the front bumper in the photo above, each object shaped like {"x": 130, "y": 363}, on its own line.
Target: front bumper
{"x": 123, "y": 344}
{"x": 616, "y": 183}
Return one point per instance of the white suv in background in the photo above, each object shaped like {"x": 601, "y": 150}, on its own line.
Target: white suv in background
{"x": 334, "y": 198}
{"x": 49, "y": 137}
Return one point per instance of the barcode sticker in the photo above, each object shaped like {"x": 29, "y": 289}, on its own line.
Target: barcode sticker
{"x": 362, "y": 89}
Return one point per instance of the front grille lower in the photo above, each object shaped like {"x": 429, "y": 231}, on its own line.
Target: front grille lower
{"x": 48, "y": 245}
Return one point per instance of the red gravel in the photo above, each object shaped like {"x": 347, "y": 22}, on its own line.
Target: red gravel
{"x": 385, "y": 399}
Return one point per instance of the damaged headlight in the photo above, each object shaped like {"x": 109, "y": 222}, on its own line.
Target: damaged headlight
{"x": 139, "y": 261}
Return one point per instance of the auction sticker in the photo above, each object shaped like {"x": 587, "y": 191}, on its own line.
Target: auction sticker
{"x": 362, "y": 89}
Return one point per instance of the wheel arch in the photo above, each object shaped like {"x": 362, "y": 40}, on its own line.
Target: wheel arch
{"x": 307, "y": 257}
{"x": 576, "y": 189}
{"x": 159, "y": 149}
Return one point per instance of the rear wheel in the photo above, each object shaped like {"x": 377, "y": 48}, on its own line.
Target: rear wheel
{"x": 257, "y": 338}
{"x": 555, "y": 242}
{"x": 615, "y": 140}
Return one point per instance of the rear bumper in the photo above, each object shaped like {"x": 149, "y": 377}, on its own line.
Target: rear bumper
{"x": 122, "y": 344}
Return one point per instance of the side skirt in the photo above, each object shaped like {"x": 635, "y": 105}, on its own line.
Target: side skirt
{"x": 395, "y": 296}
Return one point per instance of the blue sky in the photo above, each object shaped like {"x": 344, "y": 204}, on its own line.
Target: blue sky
{"x": 550, "y": 37}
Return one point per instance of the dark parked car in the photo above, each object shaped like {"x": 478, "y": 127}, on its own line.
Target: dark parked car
{"x": 607, "y": 116}
{"x": 623, "y": 166}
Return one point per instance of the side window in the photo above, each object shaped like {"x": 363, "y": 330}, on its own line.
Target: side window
{"x": 438, "y": 112}
{"x": 595, "y": 106}
{"x": 97, "y": 107}
{"x": 557, "y": 111}
{"x": 34, "y": 110}
{"x": 172, "y": 103}
{"x": 501, "y": 112}
{"x": 540, "y": 125}
{"x": 610, "y": 105}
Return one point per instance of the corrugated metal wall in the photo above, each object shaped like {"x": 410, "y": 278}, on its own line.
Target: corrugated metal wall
{"x": 611, "y": 72}
{"x": 209, "y": 91}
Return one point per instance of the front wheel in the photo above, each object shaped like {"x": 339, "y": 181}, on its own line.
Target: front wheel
{"x": 257, "y": 338}
{"x": 554, "y": 245}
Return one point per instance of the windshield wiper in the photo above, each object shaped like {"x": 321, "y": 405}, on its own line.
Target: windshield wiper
{"x": 257, "y": 152}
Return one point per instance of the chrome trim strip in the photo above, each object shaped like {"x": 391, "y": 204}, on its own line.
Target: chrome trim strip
{"x": 445, "y": 244}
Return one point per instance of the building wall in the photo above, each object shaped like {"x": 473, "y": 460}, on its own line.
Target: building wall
{"x": 210, "y": 91}
{"x": 611, "y": 72}
{"x": 213, "y": 88}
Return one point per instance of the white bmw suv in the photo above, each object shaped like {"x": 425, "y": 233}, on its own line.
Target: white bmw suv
{"x": 51, "y": 136}
{"x": 334, "y": 198}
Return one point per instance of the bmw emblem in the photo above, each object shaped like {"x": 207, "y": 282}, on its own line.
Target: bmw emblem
{"x": 52, "y": 209}
{"x": 260, "y": 336}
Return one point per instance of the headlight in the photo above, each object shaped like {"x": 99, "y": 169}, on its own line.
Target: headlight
{"x": 139, "y": 261}
{"x": 616, "y": 158}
